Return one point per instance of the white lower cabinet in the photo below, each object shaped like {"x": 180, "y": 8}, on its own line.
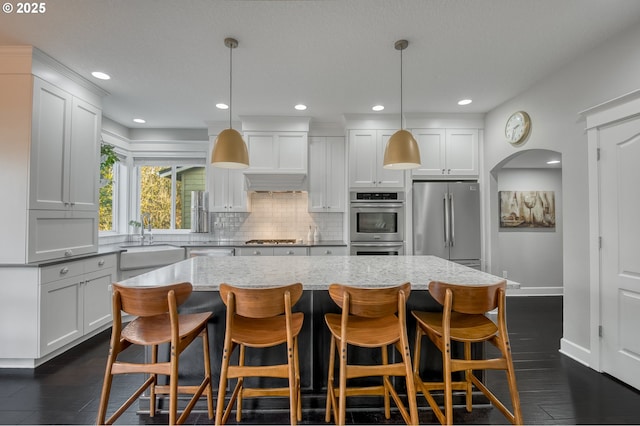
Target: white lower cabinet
{"x": 329, "y": 251}
{"x": 254, "y": 251}
{"x": 289, "y": 251}
{"x": 293, "y": 251}
{"x": 75, "y": 300}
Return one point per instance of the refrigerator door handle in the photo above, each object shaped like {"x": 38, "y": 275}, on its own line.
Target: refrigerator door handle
{"x": 446, "y": 220}
{"x": 452, "y": 220}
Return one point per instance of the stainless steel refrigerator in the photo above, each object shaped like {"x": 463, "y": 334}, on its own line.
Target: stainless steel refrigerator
{"x": 446, "y": 221}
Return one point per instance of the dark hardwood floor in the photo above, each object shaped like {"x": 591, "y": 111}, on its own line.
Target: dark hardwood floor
{"x": 553, "y": 388}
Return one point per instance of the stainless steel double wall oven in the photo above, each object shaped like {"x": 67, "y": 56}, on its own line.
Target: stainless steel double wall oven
{"x": 376, "y": 221}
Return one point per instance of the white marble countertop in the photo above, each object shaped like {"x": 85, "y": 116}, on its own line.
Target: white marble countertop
{"x": 206, "y": 273}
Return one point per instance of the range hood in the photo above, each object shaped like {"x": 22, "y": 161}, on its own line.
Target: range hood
{"x": 275, "y": 181}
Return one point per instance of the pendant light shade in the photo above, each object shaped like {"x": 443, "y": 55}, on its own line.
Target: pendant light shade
{"x": 402, "y": 150}
{"x": 229, "y": 150}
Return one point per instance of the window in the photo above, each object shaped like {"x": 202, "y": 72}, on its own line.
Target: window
{"x": 165, "y": 193}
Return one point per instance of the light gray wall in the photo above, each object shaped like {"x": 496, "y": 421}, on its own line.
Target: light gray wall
{"x": 554, "y": 104}
{"x": 532, "y": 257}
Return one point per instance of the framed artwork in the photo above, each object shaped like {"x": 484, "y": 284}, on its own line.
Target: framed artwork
{"x": 527, "y": 209}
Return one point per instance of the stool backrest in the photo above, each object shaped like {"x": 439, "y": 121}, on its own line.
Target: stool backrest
{"x": 468, "y": 299}
{"x": 369, "y": 302}
{"x": 260, "y": 302}
{"x": 147, "y": 301}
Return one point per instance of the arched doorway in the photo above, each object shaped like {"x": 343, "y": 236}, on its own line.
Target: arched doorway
{"x": 526, "y": 240}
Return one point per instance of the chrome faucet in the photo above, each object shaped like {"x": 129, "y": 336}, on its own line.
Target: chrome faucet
{"x": 149, "y": 235}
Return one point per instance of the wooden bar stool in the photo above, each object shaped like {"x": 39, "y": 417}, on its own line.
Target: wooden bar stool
{"x": 369, "y": 320}
{"x": 463, "y": 320}
{"x": 260, "y": 318}
{"x": 157, "y": 322}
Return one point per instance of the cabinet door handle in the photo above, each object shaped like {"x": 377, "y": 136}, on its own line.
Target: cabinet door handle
{"x": 442, "y": 171}
{"x": 64, "y": 271}
{"x": 68, "y": 253}
{"x": 101, "y": 262}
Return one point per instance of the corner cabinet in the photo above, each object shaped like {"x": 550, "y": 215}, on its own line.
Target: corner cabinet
{"x": 447, "y": 152}
{"x": 326, "y": 174}
{"x": 366, "y": 154}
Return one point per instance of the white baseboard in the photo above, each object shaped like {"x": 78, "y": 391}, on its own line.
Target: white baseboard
{"x": 535, "y": 291}
{"x": 575, "y": 352}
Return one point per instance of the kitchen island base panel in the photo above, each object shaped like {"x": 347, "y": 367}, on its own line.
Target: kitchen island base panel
{"x": 314, "y": 341}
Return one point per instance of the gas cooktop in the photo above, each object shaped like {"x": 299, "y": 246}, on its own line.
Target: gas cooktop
{"x": 283, "y": 241}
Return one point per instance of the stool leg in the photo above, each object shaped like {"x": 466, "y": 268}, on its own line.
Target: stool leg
{"x": 207, "y": 371}
{"x": 241, "y": 389}
{"x": 467, "y": 376}
{"x": 342, "y": 401}
{"x": 298, "y": 384}
{"x": 513, "y": 389}
{"x": 293, "y": 403}
{"x": 387, "y": 403}
{"x": 448, "y": 391}
{"x": 331, "y": 396}
{"x": 106, "y": 386}
{"x": 222, "y": 385}
{"x": 173, "y": 387}
{"x": 152, "y": 388}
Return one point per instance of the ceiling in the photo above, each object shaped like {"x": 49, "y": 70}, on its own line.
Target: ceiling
{"x": 169, "y": 65}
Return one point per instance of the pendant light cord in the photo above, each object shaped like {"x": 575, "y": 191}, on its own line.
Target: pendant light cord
{"x": 401, "y": 111}
{"x": 230, "y": 81}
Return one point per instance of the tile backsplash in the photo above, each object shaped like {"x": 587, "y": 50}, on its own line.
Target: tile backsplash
{"x": 275, "y": 215}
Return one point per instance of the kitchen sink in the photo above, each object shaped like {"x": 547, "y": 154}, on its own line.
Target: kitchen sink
{"x": 149, "y": 256}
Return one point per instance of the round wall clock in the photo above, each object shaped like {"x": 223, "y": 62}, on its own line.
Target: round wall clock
{"x": 517, "y": 127}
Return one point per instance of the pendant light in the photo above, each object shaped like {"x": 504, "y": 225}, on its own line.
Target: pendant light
{"x": 229, "y": 150}
{"x": 402, "y": 150}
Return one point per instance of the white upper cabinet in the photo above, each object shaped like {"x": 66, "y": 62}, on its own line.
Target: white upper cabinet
{"x": 326, "y": 174}
{"x": 277, "y": 151}
{"x": 49, "y": 138}
{"x": 366, "y": 153}
{"x": 226, "y": 190}
{"x": 447, "y": 152}
{"x": 64, "y": 150}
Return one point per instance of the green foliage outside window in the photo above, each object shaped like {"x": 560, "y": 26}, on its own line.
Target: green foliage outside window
{"x": 155, "y": 197}
{"x": 108, "y": 158}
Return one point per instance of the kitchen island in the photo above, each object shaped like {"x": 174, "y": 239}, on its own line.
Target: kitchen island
{"x": 316, "y": 274}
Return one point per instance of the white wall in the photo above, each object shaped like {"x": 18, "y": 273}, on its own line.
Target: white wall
{"x": 532, "y": 257}
{"x": 554, "y": 104}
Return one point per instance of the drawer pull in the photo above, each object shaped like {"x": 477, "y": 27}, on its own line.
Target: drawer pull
{"x": 256, "y": 253}
{"x": 101, "y": 262}
{"x": 68, "y": 253}
{"x": 64, "y": 271}
{"x": 327, "y": 252}
{"x": 290, "y": 252}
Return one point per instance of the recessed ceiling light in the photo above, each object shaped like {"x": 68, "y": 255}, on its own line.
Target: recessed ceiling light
{"x": 553, "y": 161}
{"x": 100, "y": 75}
{"x": 378, "y": 107}
{"x": 464, "y": 102}
{"x": 300, "y": 107}
{"x": 222, "y": 106}
{"x": 139, "y": 120}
